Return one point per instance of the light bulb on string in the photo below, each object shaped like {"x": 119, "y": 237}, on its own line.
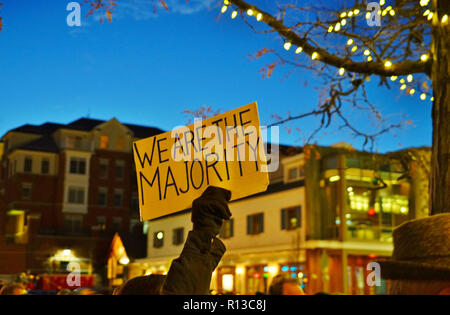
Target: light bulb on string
{"x": 287, "y": 45}
{"x": 299, "y": 50}
{"x": 234, "y": 14}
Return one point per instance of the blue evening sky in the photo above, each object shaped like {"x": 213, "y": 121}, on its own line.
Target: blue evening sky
{"x": 147, "y": 69}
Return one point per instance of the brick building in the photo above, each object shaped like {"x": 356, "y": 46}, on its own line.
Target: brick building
{"x": 64, "y": 191}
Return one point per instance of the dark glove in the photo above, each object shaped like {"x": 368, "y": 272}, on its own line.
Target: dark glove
{"x": 210, "y": 209}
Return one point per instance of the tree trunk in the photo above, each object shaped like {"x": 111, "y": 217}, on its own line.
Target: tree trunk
{"x": 440, "y": 156}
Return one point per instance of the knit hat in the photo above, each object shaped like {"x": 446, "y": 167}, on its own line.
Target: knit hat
{"x": 421, "y": 250}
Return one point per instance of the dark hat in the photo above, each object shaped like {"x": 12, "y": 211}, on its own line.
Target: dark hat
{"x": 421, "y": 250}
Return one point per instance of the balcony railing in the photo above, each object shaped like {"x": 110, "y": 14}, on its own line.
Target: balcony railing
{"x": 77, "y": 144}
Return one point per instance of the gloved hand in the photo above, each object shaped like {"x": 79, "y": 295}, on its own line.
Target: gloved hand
{"x": 210, "y": 209}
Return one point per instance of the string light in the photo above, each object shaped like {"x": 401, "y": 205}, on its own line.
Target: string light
{"x": 368, "y": 15}
{"x": 424, "y": 3}
{"x": 409, "y": 78}
{"x": 432, "y": 99}
{"x": 337, "y": 28}
{"x": 226, "y": 2}
{"x": 402, "y": 87}
{"x": 423, "y": 96}
{"x": 350, "y": 42}
{"x": 382, "y": 2}
{"x": 424, "y": 57}
{"x": 367, "y": 52}
{"x": 412, "y": 91}
{"x": 355, "y": 48}
{"x": 314, "y": 55}
{"x": 234, "y": 14}
{"x": 402, "y": 80}
{"x": 388, "y": 64}
{"x": 394, "y": 77}
{"x": 224, "y": 8}
{"x": 350, "y": 14}
{"x": 343, "y": 14}
{"x": 392, "y": 12}
{"x": 259, "y": 17}
{"x": 344, "y": 22}
{"x": 356, "y": 12}
{"x": 426, "y": 12}
{"x": 287, "y": 45}
{"x": 341, "y": 71}
{"x": 299, "y": 50}
{"x": 444, "y": 19}
{"x": 430, "y": 16}
{"x": 369, "y": 58}
{"x": 330, "y": 29}
{"x": 250, "y": 12}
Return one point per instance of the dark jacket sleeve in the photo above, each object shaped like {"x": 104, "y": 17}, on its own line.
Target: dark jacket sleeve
{"x": 190, "y": 274}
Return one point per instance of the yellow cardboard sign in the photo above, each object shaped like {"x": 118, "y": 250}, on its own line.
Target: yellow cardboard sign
{"x": 175, "y": 167}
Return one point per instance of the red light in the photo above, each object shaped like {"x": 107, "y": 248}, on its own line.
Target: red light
{"x": 256, "y": 275}
{"x": 372, "y": 256}
{"x": 371, "y": 211}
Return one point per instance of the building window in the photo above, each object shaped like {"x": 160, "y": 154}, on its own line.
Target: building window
{"x": 120, "y": 144}
{"x": 101, "y": 223}
{"x": 28, "y": 165}
{"x": 255, "y": 224}
{"x": 76, "y": 195}
{"x": 295, "y": 172}
{"x": 291, "y": 218}
{"x": 227, "y": 230}
{"x": 104, "y": 142}
{"x": 102, "y": 196}
{"x": 158, "y": 239}
{"x": 178, "y": 236}
{"x": 73, "y": 223}
{"x": 103, "y": 168}
{"x": 116, "y": 224}
{"x": 26, "y": 191}
{"x": 135, "y": 226}
{"x": 118, "y": 198}
{"x": 77, "y": 166}
{"x": 45, "y": 166}
{"x": 134, "y": 201}
{"x": 119, "y": 169}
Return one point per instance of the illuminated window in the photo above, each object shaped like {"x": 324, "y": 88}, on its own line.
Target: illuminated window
{"x": 228, "y": 282}
{"x": 158, "y": 239}
{"x": 120, "y": 143}
{"x": 104, "y": 142}
{"x": 291, "y": 218}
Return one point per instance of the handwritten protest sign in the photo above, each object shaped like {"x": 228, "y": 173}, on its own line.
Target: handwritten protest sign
{"x": 175, "y": 167}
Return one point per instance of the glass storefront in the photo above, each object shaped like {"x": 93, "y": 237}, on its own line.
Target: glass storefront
{"x": 373, "y": 210}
